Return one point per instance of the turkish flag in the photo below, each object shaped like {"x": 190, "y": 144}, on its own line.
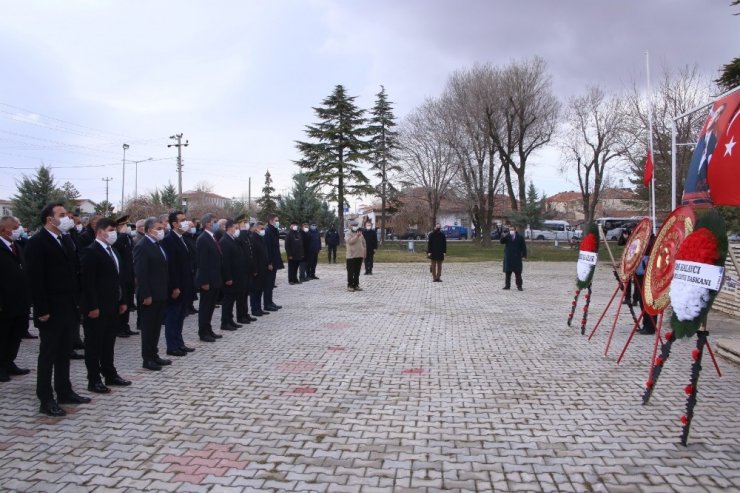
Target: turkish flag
{"x": 648, "y": 169}
{"x": 723, "y": 171}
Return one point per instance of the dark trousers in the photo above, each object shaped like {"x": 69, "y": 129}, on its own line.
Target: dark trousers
{"x": 354, "y": 265}
{"x": 436, "y": 269}
{"x": 369, "y": 262}
{"x": 331, "y": 250}
{"x": 518, "y": 276}
{"x": 125, "y": 317}
{"x": 242, "y": 303}
{"x": 55, "y": 343}
{"x": 649, "y": 323}
{"x": 227, "y": 304}
{"x": 293, "y": 270}
{"x": 174, "y": 318}
{"x": 151, "y": 327}
{"x": 313, "y": 260}
{"x": 12, "y": 329}
{"x": 100, "y": 344}
{"x": 270, "y": 277}
{"x": 303, "y": 270}
{"x": 255, "y": 298}
{"x": 205, "y": 310}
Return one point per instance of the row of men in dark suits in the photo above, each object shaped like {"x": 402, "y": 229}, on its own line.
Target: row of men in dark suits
{"x": 65, "y": 277}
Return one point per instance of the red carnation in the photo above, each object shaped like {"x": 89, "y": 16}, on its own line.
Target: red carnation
{"x": 668, "y": 335}
{"x": 689, "y": 389}
{"x": 658, "y": 361}
{"x": 589, "y": 243}
{"x": 695, "y": 354}
{"x": 649, "y": 384}
{"x": 700, "y": 246}
{"x": 684, "y": 420}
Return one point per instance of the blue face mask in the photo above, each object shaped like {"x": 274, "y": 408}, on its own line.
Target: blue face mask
{"x": 214, "y": 227}
{"x": 192, "y": 230}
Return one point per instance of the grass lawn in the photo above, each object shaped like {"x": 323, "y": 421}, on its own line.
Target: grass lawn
{"x": 467, "y": 251}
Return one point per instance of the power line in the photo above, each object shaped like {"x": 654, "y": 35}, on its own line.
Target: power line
{"x": 179, "y": 146}
{"x": 107, "y": 180}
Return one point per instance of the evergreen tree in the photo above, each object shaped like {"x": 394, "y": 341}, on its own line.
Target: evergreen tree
{"x": 33, "y": 194}
{"x": 331, "y": 159}
{"x": 326, "y": 216}
{"x": 71, "y": 194}
{"x": 302, "y": 204}
{"x": 105, "y": 208}
{"x": 532, "y": 213}
{"x": 267, "y": 203}
{"x": 168, "y": 196}
{"x": 383, "y": 142}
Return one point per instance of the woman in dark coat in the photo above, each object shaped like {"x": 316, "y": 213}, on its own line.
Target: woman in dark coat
{"x": 436, "y": 251}
{"x": 515, "y": 252}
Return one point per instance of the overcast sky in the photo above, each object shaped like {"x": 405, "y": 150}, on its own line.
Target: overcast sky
{"x": 239, "y": 78}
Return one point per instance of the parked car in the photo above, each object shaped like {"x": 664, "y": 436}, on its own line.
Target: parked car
{"x": 550, "y": 230}
{"x": 411, "y": 234}
{"x": 734, "y": 237}
{"x": 455, "y": 232}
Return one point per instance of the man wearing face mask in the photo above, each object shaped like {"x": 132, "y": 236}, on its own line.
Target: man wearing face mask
{"x": 371, "y": 243}
{"x": 15, "y": 298}
{"x": 515, "y": 252}
{"x": 260, "y": 262}
{"x": 244, "y": 244}
{"x": 87, "y": 236}
{"x": 208, "y": 277}
{"x": 234, "y": 273}
{"x": 139, "y": 231}
{"x": 314, "y": 247}
{"x": 332, "y": 242}
{"x": 151, "y": 269}
{"x": 124, "y": 246}
{"x": 102, "y": 302}
{"x": 355, "y": 253}
{"x": 274, "y": 260}
{"x": 303, "y": 266}
{"x": 190, "y": 237}
{"x": 436, "y": 252}
{"x": 52, "y": 270}
{"x": 74, "y": 233}
{"x": 294, "y": 251}
{"x": 180, "y": 284}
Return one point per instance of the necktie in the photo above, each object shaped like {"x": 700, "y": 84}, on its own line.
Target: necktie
{"x": 218, "y": 247}
{"x": 113, "y": 257}
{"x": 14, "y": 249}
{"x": 162, "y": 250}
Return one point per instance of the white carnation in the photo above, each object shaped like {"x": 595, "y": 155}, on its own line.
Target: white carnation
{"x": 583, "y": 270}
{"x": 688, "y": 300}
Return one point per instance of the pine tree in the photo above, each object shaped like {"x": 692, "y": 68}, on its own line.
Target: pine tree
{"x": 105, "y": 208}
{"x": 267, "y": 203}
{"x": 331, "y": 159}
{"x": 532, "y": 213}
{"x": 168, "y": 196}
{"x": 326, "y": 216}
{"x": 302, "y": 204}
{"x": 33, "y": 194}
{"x": 383, "y": 142}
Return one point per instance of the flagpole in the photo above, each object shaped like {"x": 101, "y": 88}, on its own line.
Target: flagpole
{"x": 650, "y": 138}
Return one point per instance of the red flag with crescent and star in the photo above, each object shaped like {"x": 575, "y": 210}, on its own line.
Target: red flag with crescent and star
{"x": 723, "y": 170}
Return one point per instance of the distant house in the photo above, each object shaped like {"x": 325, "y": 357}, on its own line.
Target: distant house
{"x": 86, "y": 206}
{"x": 613, "y": 202}
{"x": 6, "y": 207}
{"x": 203, "y": 198}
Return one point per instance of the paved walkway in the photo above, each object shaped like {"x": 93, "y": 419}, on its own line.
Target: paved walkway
{"x": 408, "y": 385}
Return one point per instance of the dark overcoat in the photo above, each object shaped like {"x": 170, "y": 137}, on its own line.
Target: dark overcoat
{"x": 437, "y": 245}
{"x": 514, "y": 251}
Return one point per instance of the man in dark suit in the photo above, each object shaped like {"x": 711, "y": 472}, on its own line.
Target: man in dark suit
{"x": 150, "y": 268}
{"x": 181, "y": 285}
{"x": 259, "y": 275}
{"x": 515, "y": 252}
{"x": 294, "y": 251}
{"x": 102, "y": 302}
{"x": 371, "y": 244}
{"x": 245, "y": 245}
{"x": 87, "y": 235}
{"x": 274, "y": 261}
{"x": 234, "y": 270}
{"x": 331, "y": 239}
{"x": 314, "y": 247}
{"x": 190, "y": 237}
{"x": 124, "y": 246}
{"x": 436, "y": 252}
{"x": 15, "y": 298}
{"x": 208, "y": 277}
{"x": 52, "y": 271}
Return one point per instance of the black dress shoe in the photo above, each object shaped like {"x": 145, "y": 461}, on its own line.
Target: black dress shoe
{"x": 117, "y": 381}
{"x": 14, "y": 370}
{"x": 4, "y": 377}
{"x": 215, "y": 336}
{"x": 243, "y": 320}
{"x": 234, "y": 324}
{"x": 519, "y": 288}
{"x": 151, "y": 365}
{"x": 227, "y": 327}
{"x": 98, "y": 388}
{"x": 193, "y": 311}
{"x": 293, "y": 282}
{"x": 506, "y": 287}
{"x": 177, "y": 352}
{"x": 162, "y": 361}
{"x": 207, "y": 338}
{"x": 123, "y": 334}
{"x": 51, "y": 408}
{"x": 187, "y": 349}
{"x": 315, "y": 278}
{"x": 79, "y": 345}
{"x": 74, "y": 355}
{"x": 646, "y": 332}
{"x": 276, "y": 307}
{"x": 132, "y": 332}
{"x": 28, "y": 335}
{"x": 73, "y": 398}
{"x": 269, "y": 309}
{"x": 253, "y": 319}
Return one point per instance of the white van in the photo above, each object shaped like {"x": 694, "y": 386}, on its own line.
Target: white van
{"x": 552, "y": 229}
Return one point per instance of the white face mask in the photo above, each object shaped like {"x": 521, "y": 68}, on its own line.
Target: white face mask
{"x": 236, "y": 233}
{"x": 159, "y": 234}
{"x": 184, "y": 225}
{"x": 368, "y": 226}
{"x": 65, "y": 224}
{"x": 192, "y": 230}
{"x": 294, "y": 228}
{"x": 354, "y": 228}
{"x": 16, "y": 234}
{"x": 132, "y": 233}
{"x": 261, "y": 232}
{"x": 305, "y": 230}
{"x": 111, "y": 238}
{"x": 125, "y": 231}
{"x": 243, "y": 227}
{"x": 277, "y": 224}
{"x": 79, "y": 228}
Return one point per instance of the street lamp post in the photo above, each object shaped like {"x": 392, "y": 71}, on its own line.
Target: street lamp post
{"x": 136, "y": 176}
{"x": 123, "y": 175}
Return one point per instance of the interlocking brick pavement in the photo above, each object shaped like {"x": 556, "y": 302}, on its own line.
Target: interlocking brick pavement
{"x": 408, "y": 385}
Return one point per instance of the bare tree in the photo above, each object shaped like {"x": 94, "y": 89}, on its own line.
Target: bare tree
{"x": 678, "y": 91}
{"x": 527, "y": 113}
{"x": 427, "y": 159}
{"x": 469, "y": 108}
{"x": 591, "y": 141}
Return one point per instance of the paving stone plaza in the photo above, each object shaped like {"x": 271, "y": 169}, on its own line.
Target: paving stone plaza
{"x": 408, "y": 385}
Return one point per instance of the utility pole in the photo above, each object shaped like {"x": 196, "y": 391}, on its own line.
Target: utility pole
{"x": 179, "y": 146}
{"x": 249, "y": 199}
{"x": 106, "y": 180}
{"x": 123, "y": 174}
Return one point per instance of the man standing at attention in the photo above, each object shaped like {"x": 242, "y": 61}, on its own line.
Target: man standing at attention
{"x": 331, "y": 238}
{"x": 371, "y": 243}
{"x": 208, "y": 277}
{"x": 355, "y": 253}
{"x": 515, "y": 252}
{"x": 52, "y": 272}
{"x": 436, "y": 251}
{"x": 294, "y": 251}
{"x": 274, "y": 261}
